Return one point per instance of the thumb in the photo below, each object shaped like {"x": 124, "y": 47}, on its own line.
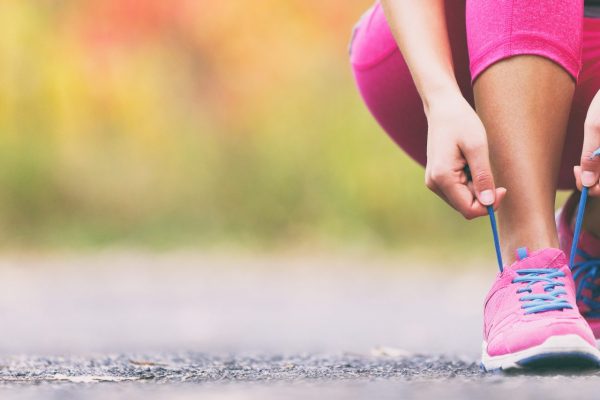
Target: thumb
{"x": 481, "y": 173}
{"x": 590, "y": 163}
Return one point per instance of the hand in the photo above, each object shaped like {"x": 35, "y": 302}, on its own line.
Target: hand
{"x": 456, "y": 138}
{"x": 588, "y": 172}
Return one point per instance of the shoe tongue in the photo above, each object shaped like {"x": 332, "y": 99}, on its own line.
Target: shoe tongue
{"x": 545, "y": 258}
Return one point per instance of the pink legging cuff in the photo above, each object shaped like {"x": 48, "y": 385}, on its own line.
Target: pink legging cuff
{"x": 526, "y": 44}
{"x": 498, "y": 29}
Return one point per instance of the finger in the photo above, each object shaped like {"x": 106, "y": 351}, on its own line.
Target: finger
{"x": 446, "y": 183}
{"x": 459, "y": 192}
{"x": 593, "y": 191}
{"x": 500, "y": 193}
{"x": 461, "y": 198}
{"x": 441, "y": 195}
{"x": 436, "y": 189}
{"x": 590, "y": 165}
{"x": 465, "y": 208}
{"x": 481, "y": 173}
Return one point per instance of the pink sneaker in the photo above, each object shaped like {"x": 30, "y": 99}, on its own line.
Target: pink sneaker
{"x": 530, "y": 316}
{"x": 586, "y": 267}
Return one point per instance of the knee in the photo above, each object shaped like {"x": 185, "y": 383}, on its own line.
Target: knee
{"x": 378, "y": 66}
{"x": 372, "y": 40}
{"x": 385, "y": 83}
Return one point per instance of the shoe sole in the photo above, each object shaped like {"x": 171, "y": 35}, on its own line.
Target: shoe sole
{"x": 566, "y": 351}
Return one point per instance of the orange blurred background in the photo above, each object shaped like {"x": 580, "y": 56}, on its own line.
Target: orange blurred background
{"x": 193, "y": 123}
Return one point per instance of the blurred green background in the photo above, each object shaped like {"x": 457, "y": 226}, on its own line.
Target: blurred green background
{"x": 191, "y": 123}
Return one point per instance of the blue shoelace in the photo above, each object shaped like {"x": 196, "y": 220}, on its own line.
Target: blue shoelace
{"x": 550, "y": 299}
{"x": 588, "y": 270}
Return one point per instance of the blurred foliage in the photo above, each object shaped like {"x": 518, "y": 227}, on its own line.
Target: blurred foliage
{"x": 199, "y": 123}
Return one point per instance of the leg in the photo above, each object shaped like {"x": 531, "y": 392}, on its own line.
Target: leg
{"x": 387, "y": 88}
{"x": 585, "y": 260}
{"x": 385, "y": 83}
{"x": 584, "y": 93}
{"x": 589, "y": 84}
{"x": 524, "y": 103}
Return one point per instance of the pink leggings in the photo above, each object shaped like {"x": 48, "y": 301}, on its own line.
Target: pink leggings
{"x": 494, "y": 30}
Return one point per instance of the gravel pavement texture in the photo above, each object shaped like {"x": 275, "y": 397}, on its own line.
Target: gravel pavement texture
{"x": 179, "y": 326}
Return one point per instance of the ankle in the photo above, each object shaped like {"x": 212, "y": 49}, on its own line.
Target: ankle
{"x": 533, "y": 239}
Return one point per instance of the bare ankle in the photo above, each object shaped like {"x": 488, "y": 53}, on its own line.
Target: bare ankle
{"x": 535, "y": 234}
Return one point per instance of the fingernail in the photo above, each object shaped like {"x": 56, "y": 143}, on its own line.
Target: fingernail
{"x": 486, "y": 197}
{"x": 588, "y": 178}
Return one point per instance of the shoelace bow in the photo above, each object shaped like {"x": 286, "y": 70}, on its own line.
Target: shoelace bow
{"x": 587, "y": 272}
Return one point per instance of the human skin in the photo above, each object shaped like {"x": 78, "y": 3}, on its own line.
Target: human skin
{"x": 591, "y": 167}
{"x": 456, "y": 135}
{"x": 523, "y": 105}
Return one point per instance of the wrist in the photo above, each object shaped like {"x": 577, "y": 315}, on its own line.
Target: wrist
{"x": 440, "y": 95}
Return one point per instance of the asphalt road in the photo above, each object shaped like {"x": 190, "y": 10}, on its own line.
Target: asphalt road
{"x": 179, "y": 326}
{"x": 187, "y": 376}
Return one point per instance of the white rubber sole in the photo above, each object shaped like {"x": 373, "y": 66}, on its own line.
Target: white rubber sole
{"x": 572, "y": 350}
